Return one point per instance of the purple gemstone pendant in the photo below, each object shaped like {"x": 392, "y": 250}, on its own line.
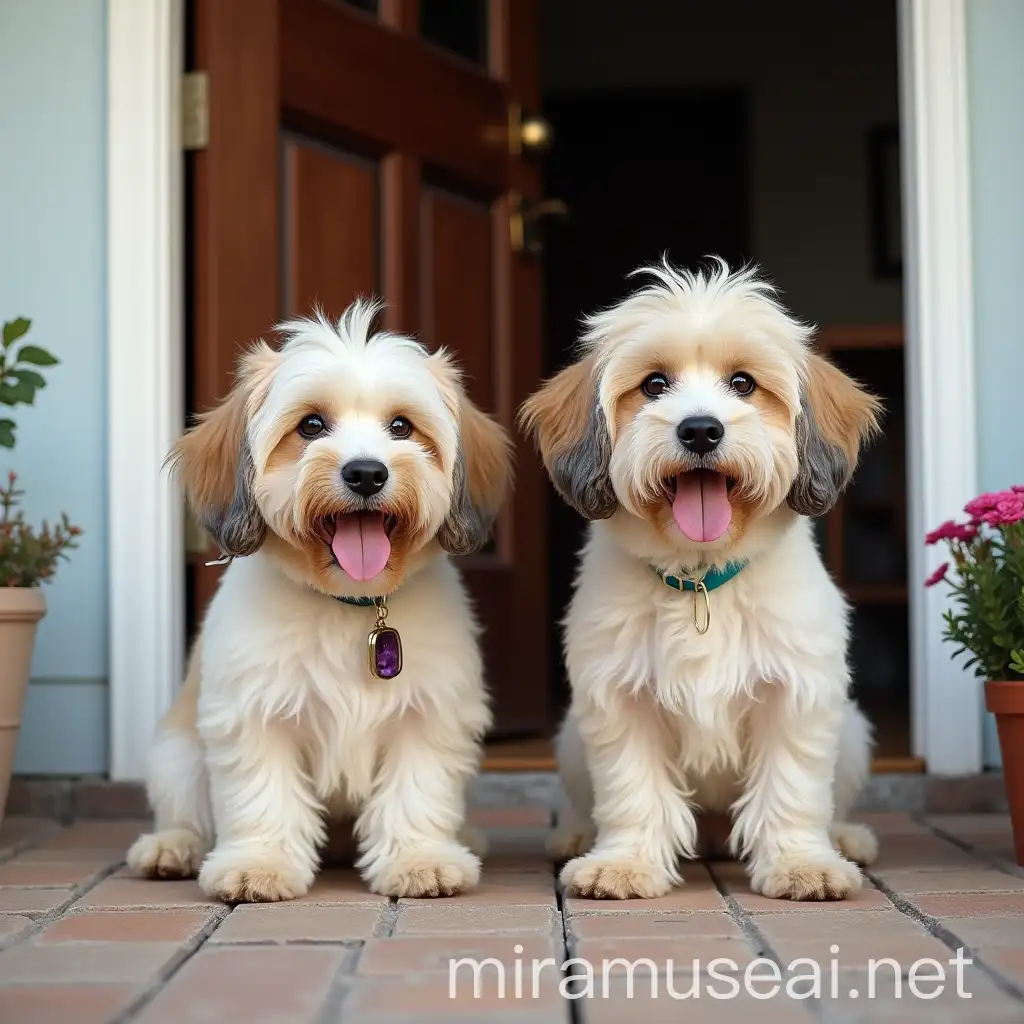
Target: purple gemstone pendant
{"x": 385, "y": 652}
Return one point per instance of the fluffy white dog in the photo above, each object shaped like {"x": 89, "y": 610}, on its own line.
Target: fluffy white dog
{"x": 338, "y": 673}
{"x": 706, "y": 643}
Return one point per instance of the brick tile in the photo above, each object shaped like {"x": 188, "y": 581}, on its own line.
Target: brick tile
{"x": 1008, "y": 962}
{"x": 983, "y": 933}
{"x": 50, "y": 875}
{"x": 860, "y": 936}
{"x": 32, "y": 901}
{"x": 268, "y": 985}
{"x": 617, "y": 1008}
{"x": 62, "y": 1004}
{"x": 510, "y": 817}
{"x": 866, "y": 898}
{"x": 434, "y": 953}
{"x": 972, "y": 824}
{"x": 97, "y": 835}
{"x": 688, "y": 898}
{"x": 430, "y": 918}
{"x": 340, "y": 887}
{"x": 524, "y": 844}
{"x": 523, "y": 888}
{"x": 11, "y": 926}
{"x": 103, "y": 857}
{"x": 289, "y": 922}
{"x": 682, "y": 951}
{"x": 15, "y": 831}
{"x": 428, "y": 1001}
{"x": 127, "y": 926}
{"x": 102, "y": 963}
{"x": 911, "y": 851}
{"x": 891, "y": 823}
{"x": 890, "y": 1000}
{"x": 972, "y": 905}
{"x": 907, "y": 882}
{"x": 664, "y": 925}
{"x": 124, "y": 893}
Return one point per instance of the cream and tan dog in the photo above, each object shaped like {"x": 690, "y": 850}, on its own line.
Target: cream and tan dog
{"x": 698, "y": 432}
{"x": 343, "y": 466}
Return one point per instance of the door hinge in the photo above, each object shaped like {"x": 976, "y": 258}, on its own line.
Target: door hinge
{"x": 195, "y": 110}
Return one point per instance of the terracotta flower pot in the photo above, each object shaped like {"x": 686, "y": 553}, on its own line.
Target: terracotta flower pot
{"x": 1006, "y": 701}
{"x": 21, "y": 608}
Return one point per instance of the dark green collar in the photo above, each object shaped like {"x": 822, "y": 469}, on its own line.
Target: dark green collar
{"x": 712, "y": 579}
{"x": 359, "y": 602}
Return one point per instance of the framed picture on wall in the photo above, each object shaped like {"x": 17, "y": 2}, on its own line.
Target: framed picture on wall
{"x": 884, "y": 201}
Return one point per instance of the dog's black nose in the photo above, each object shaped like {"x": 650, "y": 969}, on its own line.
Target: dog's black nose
{"x": 700, "y": 434}
{"x": 365, "y": 476}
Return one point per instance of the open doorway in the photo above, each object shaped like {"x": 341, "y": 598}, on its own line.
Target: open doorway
{"x": 765, "y": 132}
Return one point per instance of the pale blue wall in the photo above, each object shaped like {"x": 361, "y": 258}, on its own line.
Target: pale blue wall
{"x": 995, "y": 40}
{"x": 53, "y": 269}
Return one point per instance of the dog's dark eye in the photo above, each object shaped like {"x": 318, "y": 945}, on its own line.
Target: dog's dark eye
{"x": 399, "y": 428}
{"x": 742, "y": 383}
{"x": 654, "y": 384}
{"x": 312, "y": 426}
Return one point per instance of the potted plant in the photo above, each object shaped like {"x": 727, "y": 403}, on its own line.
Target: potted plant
{"x": 986, "y": 622}
{"x": 28, "y": 556}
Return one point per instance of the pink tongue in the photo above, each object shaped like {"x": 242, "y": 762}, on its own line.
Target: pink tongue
{"x": 360, "y": 545}
{"x": 701, "y": 505}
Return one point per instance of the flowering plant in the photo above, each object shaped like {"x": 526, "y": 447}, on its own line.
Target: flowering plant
{"x": 28, "y": 555}
{"x": 986, "y": 577}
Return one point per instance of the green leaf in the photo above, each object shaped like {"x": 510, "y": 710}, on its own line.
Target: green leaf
{"x": 6, "y": 433}
{"x": 36, "y": 356}
{"x": 15, "y": 329}
{"x": 36, "y": 380}
{"x": 17, "y": 394}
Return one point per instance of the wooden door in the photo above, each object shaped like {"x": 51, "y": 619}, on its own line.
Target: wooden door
{"x": 359, "y": 148}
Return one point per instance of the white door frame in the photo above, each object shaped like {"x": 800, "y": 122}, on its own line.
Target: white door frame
{"x": 145, "y": 375}
{"x": 939, "y": 314}
{"x": 145, "y": 370}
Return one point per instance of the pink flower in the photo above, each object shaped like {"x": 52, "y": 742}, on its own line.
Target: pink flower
{"x": 1017, "y": 488}
{"x": 938, "y": 576}
{"x": 951, "y": 530}
{"x": 1008, "y": 509}
{"x": 978, "y": 506}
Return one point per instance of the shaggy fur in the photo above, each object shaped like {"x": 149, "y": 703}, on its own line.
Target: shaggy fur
{"x": 280, "y": 727}
{"x": 753, "y": 717}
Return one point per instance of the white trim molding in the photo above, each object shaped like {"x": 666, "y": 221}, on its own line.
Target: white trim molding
{"x": 942, "y": 426}
{"x": 145, "y": 370}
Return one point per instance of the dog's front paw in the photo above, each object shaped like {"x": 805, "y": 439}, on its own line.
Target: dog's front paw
{"x": 426, "y": 871}
{"x": 855, "y": 842}
{"x": 606, "y": 878}
{"x": 172, "y": 853}
{"x": 807, "y": 877}
{"x": 239, "y": 874}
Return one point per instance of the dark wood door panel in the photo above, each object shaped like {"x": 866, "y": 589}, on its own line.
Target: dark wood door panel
{"x": 331, "y": 252}
{"x": 354, "y": 152}
{"x": 457, "y": 286}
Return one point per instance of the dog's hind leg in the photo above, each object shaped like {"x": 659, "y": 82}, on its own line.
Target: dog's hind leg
{"x": 575, "y": 832}
{"x": 179, "y": 793}
{"x": 855, "y": 842}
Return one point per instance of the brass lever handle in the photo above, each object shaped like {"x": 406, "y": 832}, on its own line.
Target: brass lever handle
{"x": 524, "y": 219}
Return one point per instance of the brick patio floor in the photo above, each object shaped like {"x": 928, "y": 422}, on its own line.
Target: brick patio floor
{"x": 85, "y": 943}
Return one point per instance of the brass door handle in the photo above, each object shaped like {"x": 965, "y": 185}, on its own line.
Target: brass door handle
{"x": 524, "y": 220}
{"x": 527, "y": 134}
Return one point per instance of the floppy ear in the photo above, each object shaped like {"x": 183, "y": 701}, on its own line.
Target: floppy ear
{"x": 567, "y": 422}
{"x": 216, "y": 466}
{"x": 837, "y": 417}
{"x": 480, "y": 481}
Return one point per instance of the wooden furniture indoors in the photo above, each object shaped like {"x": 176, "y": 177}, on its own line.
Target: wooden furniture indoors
{"x": 863, "y": 540}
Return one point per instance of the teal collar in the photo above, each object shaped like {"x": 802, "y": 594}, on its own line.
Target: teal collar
{"x": 712, "y": 579}
{"x": 359, "y": 602}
